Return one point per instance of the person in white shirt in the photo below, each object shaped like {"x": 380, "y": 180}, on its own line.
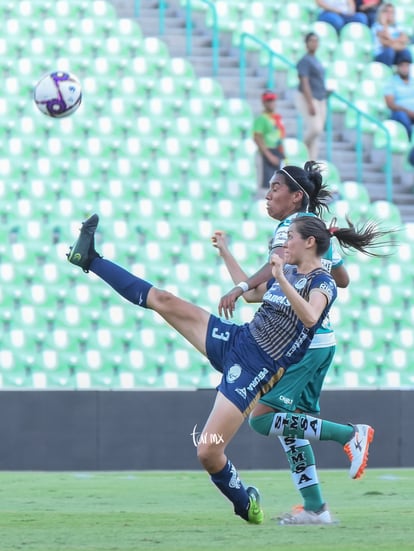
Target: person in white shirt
{"x": 399, "y": 94}
{"x": 390, "y": 40}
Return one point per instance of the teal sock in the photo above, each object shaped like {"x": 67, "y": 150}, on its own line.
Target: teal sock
{"x": 308, "y": 427}
{"x": 337, "y": 432}
{"x": 305, "y": 477}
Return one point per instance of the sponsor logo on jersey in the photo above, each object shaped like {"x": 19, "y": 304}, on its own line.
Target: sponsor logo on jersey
{"x": 259, "y": 377}
{"x": 233, "y": 373}
{"x": 297, "y": 344}
{"x": 327, "y": 287}
{"x": 286, "y": 400}
{"x": 300, "y": 284}
{"x": 276, "y": 299}
{"x": 253, "y": 384}
{"x": 242, "y": 392}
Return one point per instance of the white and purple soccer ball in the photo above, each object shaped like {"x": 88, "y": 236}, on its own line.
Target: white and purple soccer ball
{"x": 58, "y": 94}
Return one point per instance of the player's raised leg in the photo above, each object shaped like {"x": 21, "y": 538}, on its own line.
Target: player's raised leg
{"x": 192, "y": 322}
{"x": 188, "y": 319}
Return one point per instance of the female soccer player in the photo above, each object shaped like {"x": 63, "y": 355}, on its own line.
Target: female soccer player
{"x": 294, "y": 191}
{"x": 252, "y": 357}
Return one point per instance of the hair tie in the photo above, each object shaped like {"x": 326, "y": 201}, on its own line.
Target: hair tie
{"x": 332, "y": 228}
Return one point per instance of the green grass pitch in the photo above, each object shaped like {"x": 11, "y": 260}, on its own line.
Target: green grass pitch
{"x": 180, "y": 511}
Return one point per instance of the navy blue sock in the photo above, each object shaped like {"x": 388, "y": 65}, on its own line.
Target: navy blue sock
{"x": 126, "y": 284}
{"x": 228, "y": 482}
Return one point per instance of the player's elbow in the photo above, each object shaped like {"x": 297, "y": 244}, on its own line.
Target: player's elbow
{"x": 310, "y": 320}
{"x": 343, "y": 281}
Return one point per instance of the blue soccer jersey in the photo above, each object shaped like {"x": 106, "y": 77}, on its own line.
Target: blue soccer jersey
{"x": 276, "y": 327}
{"x": 332, "y": 259}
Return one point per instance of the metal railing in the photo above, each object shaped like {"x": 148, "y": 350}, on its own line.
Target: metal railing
{"x": 247, "y": 37}
{"x": 263, "y": 46}
{"x": 214, "y": 29}
{"x": 360, "y": 115}
{"x": 189, "y": 27}
{"x": 137, "y": 6}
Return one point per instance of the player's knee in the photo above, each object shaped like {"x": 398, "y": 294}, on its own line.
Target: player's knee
{"x": 262, "y": 423}
{"x": 162, "y": 301}
{"x": 209, "y": 456}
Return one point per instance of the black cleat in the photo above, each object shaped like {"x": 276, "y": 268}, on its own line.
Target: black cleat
{"x": 83, "y": 251}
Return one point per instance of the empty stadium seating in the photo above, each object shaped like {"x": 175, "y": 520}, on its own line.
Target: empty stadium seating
{"x": 145, "y": 154}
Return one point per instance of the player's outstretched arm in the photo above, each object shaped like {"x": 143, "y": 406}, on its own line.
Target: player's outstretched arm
{"x": 237, "y": 274}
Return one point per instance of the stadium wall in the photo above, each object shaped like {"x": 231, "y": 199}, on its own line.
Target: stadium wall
{"x": 133, "y": 430}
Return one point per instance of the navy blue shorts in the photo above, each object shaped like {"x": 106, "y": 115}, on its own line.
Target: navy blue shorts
{"x": 248, "y": 372}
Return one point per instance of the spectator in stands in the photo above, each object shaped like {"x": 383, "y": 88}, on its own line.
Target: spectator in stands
{"x": 370, "y": 8}
{"x": 411, "y": 157}
{"x": 312, "y": 94}
{"x": 399, "y": 93}
{"x": 268, "y": 134}
{"x": 390, "y": 41}
{"x": 340, "y": 12}
{"x": 253, "y": 356}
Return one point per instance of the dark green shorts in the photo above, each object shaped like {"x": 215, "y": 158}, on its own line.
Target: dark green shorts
{"x": 301, "y": 385}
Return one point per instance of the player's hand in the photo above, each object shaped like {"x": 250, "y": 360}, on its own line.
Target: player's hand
{"x": 220, "y": 241}
{"x": 277, "y": 266}
{"x": 227, "y": 302}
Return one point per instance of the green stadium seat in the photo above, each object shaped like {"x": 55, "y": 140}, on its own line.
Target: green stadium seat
{"x": 7, "y": 9}
{"x": 281, "y": 47}
{"x": 197, "y": 108}
{"x": 69, "y": 9}
{"x": 180, "y": 69}
{"x": 295, "y": 151}
{"x": 342, "y": 79}
{"x": 228, "y": 16}
{"x": 18, "y": 27}
{"x": 209, "y": 90}
{"x": 359, "y": 33}
{"x": 157, "y": 49}
{"x": 328, "y": 39}
{"x": 92, "y": 377}
{"x": 240, "y": 111}
{"x": 354, "y": 191}
{"x": 340, "y": 209}
{"x": 398, "y": 368}
{"x": 145, "y": 367}
{"x": 357, "y": 368}
{"x": 14, "y": 368}
{"x": 88, "y": 27}
{"x": 379, "y": 316}
{"x": 398, "y": 134}
{"x": 378, "y": 72}
{"x": 102, "y": 8}
{"x": 330, "y": 172}
{"x": 386, "y": 212}
{"x": 12, "y": 107}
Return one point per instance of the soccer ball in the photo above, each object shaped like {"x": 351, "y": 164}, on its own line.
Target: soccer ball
{"x": 58, "y": 94}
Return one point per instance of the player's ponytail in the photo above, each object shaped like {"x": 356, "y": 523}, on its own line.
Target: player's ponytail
{"x": 365, "y": 239}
